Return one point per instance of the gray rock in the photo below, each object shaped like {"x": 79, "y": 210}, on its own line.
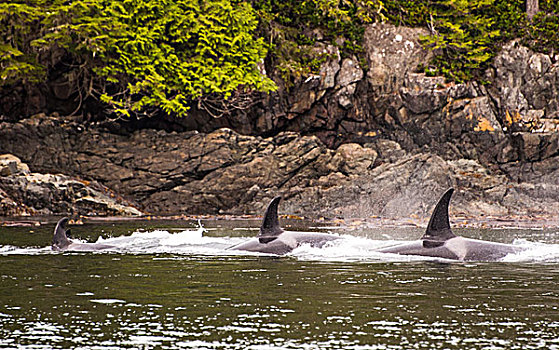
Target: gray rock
{"x": 497, "y": 143}
{"x": 524, "y": 81}
{"x": 392, "y": 53}
{"x": 224, "y": 172}
{"x": 387, "y": 150}
{"x": 353, "y": 160}
{"x": 534, "y": 147}
{"x": 422, "y": 94}
{"x": 330, "y": 69}
{"x": 25, "y": 193}
{"x": 9, "y": 207}
{"x": 303, "y": 101}
{"x": 350, "y": 72}
{"x": 12, "y": 165}
{"x": 345, "y": 96}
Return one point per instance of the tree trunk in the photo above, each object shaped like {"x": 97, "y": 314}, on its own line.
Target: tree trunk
{"x": 532, "y": 7}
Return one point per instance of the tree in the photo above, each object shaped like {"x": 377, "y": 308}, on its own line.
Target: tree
{"x": 532, "y": 8}
{"x": 139, "y": 57}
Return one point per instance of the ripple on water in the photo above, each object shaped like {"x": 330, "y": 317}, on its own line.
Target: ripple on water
{"x": 157, "y": 290}
{"x": 108, "y": 301}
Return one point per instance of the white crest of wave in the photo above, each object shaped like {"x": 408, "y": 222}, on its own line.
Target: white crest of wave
{"x": 190, "y": 242}
{"x": 10, "y": 249}
{"x": 186, "y": 237}
{"x": 534, "y": 252}
{"x": 349, "y": 248}
{"x": 352, "y": 249}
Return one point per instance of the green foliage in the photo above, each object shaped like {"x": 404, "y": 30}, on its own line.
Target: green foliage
{"x": 145, "y": 54}
{"x": 543, "y": 33}
{"x": 293, "y": 27}
{"x": 549, "y": 6}
{"x": 509, "y": 17}
{"x": 543, "y": 36}
{"x": 466, "y": 35}
{"x": 410, "y": 13}
{"x": 462, "y": 38}
{"x": 17, "y": 63}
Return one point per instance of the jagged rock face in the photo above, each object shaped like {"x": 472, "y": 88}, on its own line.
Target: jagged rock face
{"x": 12, "y": 165}
{"x": 525, "y": 87}
{"x": 26, "y": 193}
{"x": 526, "y": 82}
{"x": 392, "y": 53}
{"x": 391, "y": 100}
{"x": 225, "y": 172}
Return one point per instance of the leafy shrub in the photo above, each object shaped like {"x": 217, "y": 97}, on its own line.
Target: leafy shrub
{"x": 17, "y": 61}
{"x": 542, "y": 34}
{"x": 293, "y": 27}
{"x": 146, "y": 54}
{"x": 462, "y": 39}
{"x": 410, "y": 13}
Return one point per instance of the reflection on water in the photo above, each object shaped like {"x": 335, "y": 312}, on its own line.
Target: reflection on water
{"x": 167, "y": 288}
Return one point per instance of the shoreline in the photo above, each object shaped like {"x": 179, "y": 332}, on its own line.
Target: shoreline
{"x": 458, "y": 221}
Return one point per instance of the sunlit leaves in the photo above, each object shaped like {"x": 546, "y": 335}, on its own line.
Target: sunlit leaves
{"x": 167, "y": 55}
{"x": 143, "y": 53}
{"x": 463, "y": 38}
{"x": 177, "y": 51}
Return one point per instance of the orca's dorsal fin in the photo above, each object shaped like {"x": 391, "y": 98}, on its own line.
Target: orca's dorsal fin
{"x": 60, "y": 239}
{"x": 438, "y": 231}
{"x": 270, "y": 229}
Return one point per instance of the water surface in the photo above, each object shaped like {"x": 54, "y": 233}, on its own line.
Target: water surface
{"x": 174, "y": 285}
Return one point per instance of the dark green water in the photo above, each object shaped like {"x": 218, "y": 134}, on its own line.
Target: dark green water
{"x": 188, "y": 297}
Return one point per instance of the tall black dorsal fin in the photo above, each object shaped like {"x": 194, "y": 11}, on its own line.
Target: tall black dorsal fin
{"x": 60, "y": 239}
{"x": 270, "y": 228}
{"x": 438, "y": 231}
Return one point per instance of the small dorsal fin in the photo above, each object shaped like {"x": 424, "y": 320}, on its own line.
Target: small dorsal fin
{"x": 438, "y": 231}
{"x": 270, "y": 228}
{"x": 60, "y": 239}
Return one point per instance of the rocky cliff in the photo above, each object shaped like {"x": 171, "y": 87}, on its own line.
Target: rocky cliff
{"x": 224, "y": 172}
{"x": 360, "y": 139}
{"x": 518, "y": 104}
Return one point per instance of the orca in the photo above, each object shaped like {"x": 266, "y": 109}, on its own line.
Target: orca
{"x": 440, "y": 242}
{"x": 60, "y": 241}
{"x": 272, "y": 239}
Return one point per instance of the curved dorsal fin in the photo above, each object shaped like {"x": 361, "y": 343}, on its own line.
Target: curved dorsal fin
{"x": 270, "y": 228}
{"x": 438, "y": 231}
{"x": 60, "y": 240}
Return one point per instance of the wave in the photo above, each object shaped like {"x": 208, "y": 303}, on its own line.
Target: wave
{"x": 347, "y": 249}
{"x": 356, "y": 249}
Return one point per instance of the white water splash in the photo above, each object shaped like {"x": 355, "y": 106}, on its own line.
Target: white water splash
{"x": 347, "y": 249}
{"x": 189, "y": 242}
{"x": 354, "y": 249}
{"x": 534, "y": 252}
